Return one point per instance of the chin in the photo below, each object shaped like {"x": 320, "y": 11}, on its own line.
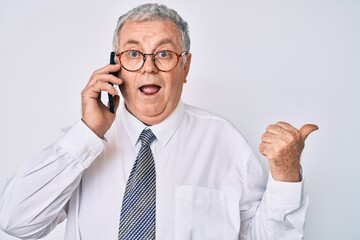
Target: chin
{"x": 153, "y": 116}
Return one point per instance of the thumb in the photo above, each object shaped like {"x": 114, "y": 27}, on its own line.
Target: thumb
{"x": 307, "y": 129}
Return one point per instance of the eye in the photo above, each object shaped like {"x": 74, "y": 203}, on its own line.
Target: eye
{"x": 134, "y": 54}
{"x": 164, "y": 54}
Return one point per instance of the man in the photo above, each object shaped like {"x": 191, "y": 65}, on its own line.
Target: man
{"x": 158, "y": 168}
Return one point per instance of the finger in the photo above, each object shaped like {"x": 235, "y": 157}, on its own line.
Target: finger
{"x": 102, "y": 86}
{"x": 276, "y": 129}
{"x": 307, "y": 129}
{"x": 268, "y": 137}
{"x": 95, "y": 89}
{"x": 262, "y": 149}
{"x": 108, "y": 73}
{"x": 265, "y": 149}
{"x": 112, "y": 79}
{"x": 286, "y": 126}
{"x": 110, "y": 68}
{"x": 105, "y": 77}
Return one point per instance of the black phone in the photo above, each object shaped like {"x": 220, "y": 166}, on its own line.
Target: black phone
{"x": 111, "y": 98}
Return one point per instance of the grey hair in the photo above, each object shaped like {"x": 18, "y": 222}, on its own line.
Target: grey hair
{"x": 151, "y": 12}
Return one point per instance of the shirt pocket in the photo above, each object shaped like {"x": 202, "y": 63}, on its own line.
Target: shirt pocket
{"x": 200, "y": 214}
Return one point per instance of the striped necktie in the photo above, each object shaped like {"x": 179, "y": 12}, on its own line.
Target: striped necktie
{"x": 137, "y": 219}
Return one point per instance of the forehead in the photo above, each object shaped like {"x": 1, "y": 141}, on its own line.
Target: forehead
{"x": 149, "y": 34}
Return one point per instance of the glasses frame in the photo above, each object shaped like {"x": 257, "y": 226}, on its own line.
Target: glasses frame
{"x": 153, "y": 59}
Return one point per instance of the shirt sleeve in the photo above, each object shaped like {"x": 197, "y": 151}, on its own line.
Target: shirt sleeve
{"x": 34, "y": 201}
{"x": 278, "y": 213}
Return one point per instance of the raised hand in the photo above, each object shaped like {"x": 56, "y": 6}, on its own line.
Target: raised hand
{"x": 95, "y": 114}
{"x": 282, "y": 144}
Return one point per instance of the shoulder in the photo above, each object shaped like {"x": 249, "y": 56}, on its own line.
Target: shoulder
{"x": 199, "y": 118}
{"x": 198, "y": 114}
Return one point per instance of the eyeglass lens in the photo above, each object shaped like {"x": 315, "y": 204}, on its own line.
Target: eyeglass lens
{"x": 133, "y": 60}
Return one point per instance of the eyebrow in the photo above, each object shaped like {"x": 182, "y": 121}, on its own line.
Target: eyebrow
{"x": 162, "y": 42}
{"x": 165, "y": 41}
{"x": 131, "y": 41}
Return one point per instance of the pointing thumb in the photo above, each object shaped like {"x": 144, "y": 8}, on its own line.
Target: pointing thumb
{"x": 307, "y": 129}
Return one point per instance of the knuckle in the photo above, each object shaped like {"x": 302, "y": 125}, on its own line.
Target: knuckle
{"x": 83, "y": 92}
{"x": 271, "y": 126}
{"x": 93, "y": 75}
{"x": 96, "y": 71}
{"x": 263, "y": 136}
{"x": 262, "y": 149}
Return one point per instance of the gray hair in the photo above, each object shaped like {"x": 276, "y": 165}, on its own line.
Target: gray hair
{"x": 151, "y": 12}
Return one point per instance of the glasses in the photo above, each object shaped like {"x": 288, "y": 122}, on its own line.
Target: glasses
{"x": 164, "y": 60}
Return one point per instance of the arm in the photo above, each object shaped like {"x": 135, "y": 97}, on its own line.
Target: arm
{"x": 34, "y": 201}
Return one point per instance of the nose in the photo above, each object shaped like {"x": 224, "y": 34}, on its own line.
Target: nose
{"x": 149, "y": 64}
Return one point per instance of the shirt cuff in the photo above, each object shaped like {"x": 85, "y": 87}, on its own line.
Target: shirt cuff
{"x": 285, "y": 194}
{"x": 82, "y": 143}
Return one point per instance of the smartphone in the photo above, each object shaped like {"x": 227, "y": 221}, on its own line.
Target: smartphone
{"x": 111, "y": 98}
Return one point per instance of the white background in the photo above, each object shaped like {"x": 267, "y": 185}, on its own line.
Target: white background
{"x": 254, "y": 62}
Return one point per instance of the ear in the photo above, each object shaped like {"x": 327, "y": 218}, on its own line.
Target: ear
{"x": 187, "y": 66}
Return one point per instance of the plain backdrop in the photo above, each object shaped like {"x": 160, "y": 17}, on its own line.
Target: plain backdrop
{"x": 254, "y": 62}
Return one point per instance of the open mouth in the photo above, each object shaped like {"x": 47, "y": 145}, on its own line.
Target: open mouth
{"x": 149, "y": 89}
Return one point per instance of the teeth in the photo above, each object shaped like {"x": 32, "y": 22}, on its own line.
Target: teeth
{"x": 150, "y": 89}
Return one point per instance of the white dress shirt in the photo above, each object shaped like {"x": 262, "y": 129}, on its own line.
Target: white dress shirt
{"x": 209, "y": 184}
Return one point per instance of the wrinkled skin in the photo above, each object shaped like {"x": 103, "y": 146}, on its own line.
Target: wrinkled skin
{"x": 282, "y": 144}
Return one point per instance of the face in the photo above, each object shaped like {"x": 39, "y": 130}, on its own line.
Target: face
{"x": 149, "y": 94}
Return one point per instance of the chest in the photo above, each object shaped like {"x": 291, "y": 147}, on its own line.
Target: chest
{"x": 189, "y": 197}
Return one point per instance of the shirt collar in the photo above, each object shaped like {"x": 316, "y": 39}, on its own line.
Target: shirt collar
{"x": 163, "y": 130}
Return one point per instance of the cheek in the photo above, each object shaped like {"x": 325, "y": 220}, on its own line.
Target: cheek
{"x": 176, "y": 86}
{"x": 127, "y": 87}
{"x": 126, "y": 91}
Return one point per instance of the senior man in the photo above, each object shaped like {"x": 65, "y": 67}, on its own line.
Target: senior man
{"x": 158, "y": 168}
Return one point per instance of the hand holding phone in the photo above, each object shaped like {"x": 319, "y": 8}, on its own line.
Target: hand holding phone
{"x": 94, "y": 113}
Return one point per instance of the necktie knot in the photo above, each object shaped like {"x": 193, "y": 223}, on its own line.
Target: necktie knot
{"x": 146, "y": 137}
